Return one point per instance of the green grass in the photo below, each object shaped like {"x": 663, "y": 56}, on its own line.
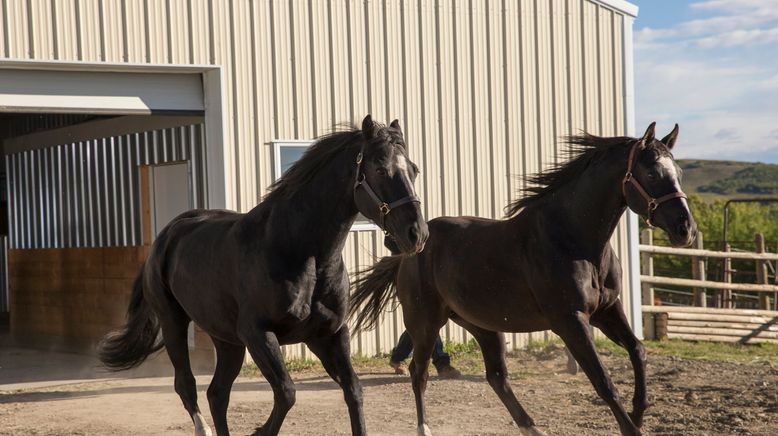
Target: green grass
{"x": 715, "y": 351}
{"x": 468, "y": 359}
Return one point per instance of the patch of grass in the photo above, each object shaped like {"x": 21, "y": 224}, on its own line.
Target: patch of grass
{"x": 467, "y": 356}
{"x": 459, "y": 348}
{"x": 293, "y": 365}
{"x": 715, "y": 351}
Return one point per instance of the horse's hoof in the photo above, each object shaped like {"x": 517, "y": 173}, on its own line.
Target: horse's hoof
{"x": 531, "y": 431}
{"x": 201, "y": 427}
{"x": 424, "y": 430}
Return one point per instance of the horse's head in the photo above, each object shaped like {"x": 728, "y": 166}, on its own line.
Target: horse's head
{"x": 384, "y": 190}
{"x": 652, "y": 187}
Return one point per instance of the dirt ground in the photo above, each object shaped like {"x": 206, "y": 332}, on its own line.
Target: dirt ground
{"x": 689, "y": 397}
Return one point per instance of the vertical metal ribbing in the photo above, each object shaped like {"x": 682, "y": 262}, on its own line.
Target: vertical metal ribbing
{"x": 10, "y": 172}
{"x": 83, "y": 198}
{"x": 35, "y": 208}
{"x": 67, "y": 240}
{"x": 87, "y": 193}
{"x": 104, "y": 195}
{"x": 122, "y": 183}
{"x": 53, "y": 153}
{"x": 90, "y": 217}
{"x": 114, "y": 194}
{"x": 42, "y": 194}
{"x": 131, "y": 168}
{"x": 195, "y": 165}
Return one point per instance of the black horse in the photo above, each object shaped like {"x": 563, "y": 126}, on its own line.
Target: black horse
{"x": 549, "y": 266}
{"x": 272, "y": 276}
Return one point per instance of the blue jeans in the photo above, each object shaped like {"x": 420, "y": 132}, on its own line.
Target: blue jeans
{"x": 405, "y": 345}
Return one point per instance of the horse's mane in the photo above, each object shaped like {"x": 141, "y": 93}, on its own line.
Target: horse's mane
{"x": 318, "y": 155}
{"x": 582, "y": 150}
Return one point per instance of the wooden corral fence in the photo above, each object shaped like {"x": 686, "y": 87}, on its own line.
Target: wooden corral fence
{"x": 723, "y": 323}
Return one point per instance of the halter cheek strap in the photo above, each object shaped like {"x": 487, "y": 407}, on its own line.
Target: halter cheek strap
{"x": 651, "y": 203}
{"x": 384, "y": 208}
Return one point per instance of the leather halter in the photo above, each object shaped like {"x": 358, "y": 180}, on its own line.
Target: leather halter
{"x": 384, "y": 208}
{"x": 652, "y": 203}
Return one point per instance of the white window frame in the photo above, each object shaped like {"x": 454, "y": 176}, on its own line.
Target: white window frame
{"x": 358, "y": 226}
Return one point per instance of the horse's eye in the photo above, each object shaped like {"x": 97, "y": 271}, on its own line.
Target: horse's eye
{"x": 381, "y": 171}
{"x": 652, "y": 175}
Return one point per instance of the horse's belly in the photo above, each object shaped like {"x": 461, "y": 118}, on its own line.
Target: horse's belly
{"x": 504, "y": 318}
{"x": 322, "y": 322}
{"x": 497, "y": 308}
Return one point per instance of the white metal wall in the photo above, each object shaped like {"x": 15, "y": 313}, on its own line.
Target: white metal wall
{"x": 483, "y": 88}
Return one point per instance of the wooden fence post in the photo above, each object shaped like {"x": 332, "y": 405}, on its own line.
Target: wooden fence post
{"x": 647, "y": 291}
{"x": 726, "y": 294}
{"x": 698, "y": 273}
{"x": 661, "y": 326}
{"x": 647, "y": 266}
{"x": 761, "y": 273}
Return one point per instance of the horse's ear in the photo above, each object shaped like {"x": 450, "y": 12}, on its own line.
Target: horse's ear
{"x": 669, "y": 140}
{"x": 368, "y": 126}
{"x": 648, "y": 137}
{"x": 396, "y": 125}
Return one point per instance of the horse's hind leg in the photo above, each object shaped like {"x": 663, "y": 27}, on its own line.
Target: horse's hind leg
{"x": 493, "y": 349}
{"x": 174, "y": 325}
{"x": 229, "y": 360}
{"x": 613, "y": 323}
{"x": 266, "y": 352}
{"x": 333, "y": 351}
{"x": 424, "y": 338}
{"x": 574, "y": 330}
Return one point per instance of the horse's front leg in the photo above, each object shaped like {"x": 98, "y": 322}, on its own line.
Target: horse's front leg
{"x": 574, "y": 331}
{"x": 266, "y": 352}
{"x": 334, "y": 353}
{"x": 613, "y": 322}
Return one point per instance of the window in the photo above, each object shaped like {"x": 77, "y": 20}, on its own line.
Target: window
{"x": 286, "y": 153}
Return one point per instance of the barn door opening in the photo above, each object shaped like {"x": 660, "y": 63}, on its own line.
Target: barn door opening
{"x": 171, "y": 193}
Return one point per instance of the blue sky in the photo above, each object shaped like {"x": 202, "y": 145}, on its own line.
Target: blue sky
{"x": 712, "y": 67}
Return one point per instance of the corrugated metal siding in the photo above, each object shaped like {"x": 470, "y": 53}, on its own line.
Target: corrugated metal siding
{"x": 483, "y": 88}
{"x": 87, "y": 194}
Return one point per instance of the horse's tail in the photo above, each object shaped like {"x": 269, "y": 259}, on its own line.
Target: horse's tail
{"x": 373, "y": 290}
{"x": 130, "y": 346}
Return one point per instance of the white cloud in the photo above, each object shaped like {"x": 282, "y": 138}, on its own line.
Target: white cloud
{"x": 717, "y": 77}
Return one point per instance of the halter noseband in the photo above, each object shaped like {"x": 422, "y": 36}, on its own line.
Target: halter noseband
{"x": 384, "y": 208}
{"x": 652, "y": 203}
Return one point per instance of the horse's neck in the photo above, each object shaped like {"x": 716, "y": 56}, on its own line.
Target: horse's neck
{"x": 592, "y": 206}
{"x": 316, "y": 219}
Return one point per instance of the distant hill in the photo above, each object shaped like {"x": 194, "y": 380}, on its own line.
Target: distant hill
{"x": 713, "y": 179}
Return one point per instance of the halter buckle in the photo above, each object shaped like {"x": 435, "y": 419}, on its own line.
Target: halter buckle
{"x": 652, "y": 205}
{"x": 359, "y": 158}
{"x": 384, "y": 208}
{"x": 628, "y": 177}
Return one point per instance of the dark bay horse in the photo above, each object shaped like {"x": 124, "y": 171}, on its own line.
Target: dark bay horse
{"x": 272, "y": 276}
{"x": 549, "y": 266}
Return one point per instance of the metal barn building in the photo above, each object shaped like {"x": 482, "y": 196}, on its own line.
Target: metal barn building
{"x": 116, "y": 115}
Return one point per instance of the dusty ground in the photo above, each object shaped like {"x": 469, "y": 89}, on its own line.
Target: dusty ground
{"x": 690, "y": 398}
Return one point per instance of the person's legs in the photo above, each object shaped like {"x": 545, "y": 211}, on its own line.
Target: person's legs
{"x": 442, "y": 361}
{"x": 403, "y": 348}
{"x": 401, "y": 352}
{"x": 440, "y": 358}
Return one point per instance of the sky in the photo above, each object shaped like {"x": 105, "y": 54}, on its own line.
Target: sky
{"x": 712, "y": 67}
